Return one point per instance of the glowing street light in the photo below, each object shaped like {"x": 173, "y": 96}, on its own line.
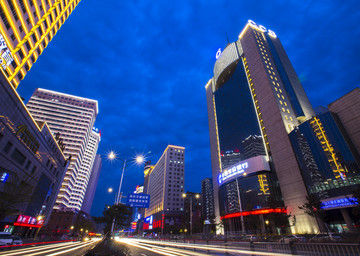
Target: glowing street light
{"x": 112, "y": 156}
{"x": 110, "y": 190}
{"x": 197, "y": 196}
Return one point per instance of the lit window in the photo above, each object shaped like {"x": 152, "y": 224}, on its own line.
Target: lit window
{"x": 269, "y": 71}
{"x": 278, "y": 95}
{"x": 291, "y": 118}
{"x": 288, "y": 111}
{"x": 282, "y": 96}
{"x": 283, "y": 109}
{"x": 276, "y": 89}
{"x": 280, "y": 90}
{"x": 281, "y": 102}
{"x": 285, "y": 104}
{"x": 286, "y": 117}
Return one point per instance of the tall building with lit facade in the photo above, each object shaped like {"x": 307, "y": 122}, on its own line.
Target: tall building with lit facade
{"x": 257, "y": 105}
{"x": 32, "y": 166}
{"x": 164, "y": 182}
{"x": 72, "y": 118}
{"x": 92, "y": 184}
{"x": 26, "y": 28}
{"x": 255, "y": 97}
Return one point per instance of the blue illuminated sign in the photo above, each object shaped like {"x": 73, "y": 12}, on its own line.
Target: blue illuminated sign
{"x": 4, "y": 177}
{"x": 335, "y": 203}
{"x": 234, "y": 171}
{"x": 138, "y": 200}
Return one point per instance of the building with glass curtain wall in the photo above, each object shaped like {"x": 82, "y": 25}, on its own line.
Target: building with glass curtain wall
{"x": 255, "y": 100}
{"x": 26, "y": 28}
{"x": 258, "y": 108}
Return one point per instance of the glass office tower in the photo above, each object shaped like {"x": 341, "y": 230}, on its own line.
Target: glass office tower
{"x": 255, "y": 100}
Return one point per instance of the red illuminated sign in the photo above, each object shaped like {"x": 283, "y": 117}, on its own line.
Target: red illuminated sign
{"x": 28, "y": 221}
{"x": 255, "y": 212}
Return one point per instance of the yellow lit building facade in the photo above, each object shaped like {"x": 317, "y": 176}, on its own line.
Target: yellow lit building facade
{"x": 26, "y": 28}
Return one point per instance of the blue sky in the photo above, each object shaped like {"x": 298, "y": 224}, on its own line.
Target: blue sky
{"x": 147, "y": 63}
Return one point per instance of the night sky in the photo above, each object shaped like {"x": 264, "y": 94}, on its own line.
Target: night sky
{"x": 147, "y": 63}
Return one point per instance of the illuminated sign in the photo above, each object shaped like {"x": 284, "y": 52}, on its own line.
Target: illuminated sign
{"x": 341, "y": 202}
{"x": 4, "y": 177}
{"x": 232, "y": 172}
{"x": 249, "y": 166}
{"x": 5, "y": 55}
{"x": 27, "y": 138}
{"x": 255, "y": 212}
{"x": 218, "y": 53}
{"x": 28, "y": 221}
{"x": 133, "y": 225}
{"x": 138, "y": 200}
{"x": 262, "y": 28}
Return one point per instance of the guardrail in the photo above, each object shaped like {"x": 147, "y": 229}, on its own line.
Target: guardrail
{"x": 313, "y": 249}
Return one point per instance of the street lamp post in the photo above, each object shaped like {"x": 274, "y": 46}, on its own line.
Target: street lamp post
{"x": 112, "y": 156}
{"x": 240, "y": 207}
{"x": 196, "y": 196}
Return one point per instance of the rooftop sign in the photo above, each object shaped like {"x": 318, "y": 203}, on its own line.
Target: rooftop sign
{"x": 262, "y": 28}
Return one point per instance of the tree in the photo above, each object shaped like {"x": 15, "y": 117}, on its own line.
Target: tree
{"x": 120, "y": 212}
{"x": 14, "y": 193}
{"x": 313, "y": 207}
{"x": 278, "y": 220}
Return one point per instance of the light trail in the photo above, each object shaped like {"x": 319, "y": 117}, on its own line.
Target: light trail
{"x": 218, "y": 248}
{"x": 14, "y": 252}
{"x": 56, "y": 249}
{"x": 46, "y": 250}
{"x": 58, "y": 253}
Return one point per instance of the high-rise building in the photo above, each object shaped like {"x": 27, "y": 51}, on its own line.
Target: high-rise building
{"x": 26, "y": 28}
{"x": 32, "y": 166}
{"x": 72, "y": 119}
{"x": 255, "y": 100}
{"x": 347, "y": 113}
{"x": 207, "y": 199}
{"x": 91, "y": 187}
{"x": 164, "y": 182}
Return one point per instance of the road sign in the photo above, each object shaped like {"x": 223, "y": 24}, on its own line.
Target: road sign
{"x": 138, "y": 200}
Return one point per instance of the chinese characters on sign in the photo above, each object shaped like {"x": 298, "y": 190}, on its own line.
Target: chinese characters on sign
{"x": 238, "y": 169}
{"x": 5, "y": 54}
{"x": 138, "y": 200}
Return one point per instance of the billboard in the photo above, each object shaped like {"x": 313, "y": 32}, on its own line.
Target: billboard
{"x": 248, "y": 166}
{"x": 138, "y": 200}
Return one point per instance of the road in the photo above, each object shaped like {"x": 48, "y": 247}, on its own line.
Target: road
{"x": 155, "y": 248}
{"x": 63, "y": 249}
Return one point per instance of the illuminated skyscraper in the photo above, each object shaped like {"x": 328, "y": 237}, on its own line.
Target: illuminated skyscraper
{"x": 255, "y": 100}
{"x": 164, "y": 182}
{"x": 72, "y": 118}
{"x": 26, "y": 28}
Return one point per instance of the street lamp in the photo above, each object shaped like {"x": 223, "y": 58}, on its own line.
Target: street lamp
{"x": 197, "y": 196}
{"x": 112, "y": 156}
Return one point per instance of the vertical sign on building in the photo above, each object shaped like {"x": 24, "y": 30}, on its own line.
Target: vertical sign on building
{"x": 5, "y": 54}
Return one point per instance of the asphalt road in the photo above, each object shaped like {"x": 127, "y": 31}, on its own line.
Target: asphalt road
{"x": 63, "y": 249}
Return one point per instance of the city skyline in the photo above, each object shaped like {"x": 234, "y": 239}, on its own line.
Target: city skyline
{"x": 183, "y": 120}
